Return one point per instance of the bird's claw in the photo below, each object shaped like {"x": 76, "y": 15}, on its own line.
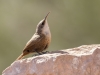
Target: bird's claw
{"x": 45, "y": 52}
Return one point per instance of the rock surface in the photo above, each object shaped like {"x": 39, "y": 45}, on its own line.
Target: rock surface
{"x": 83, "y": 60}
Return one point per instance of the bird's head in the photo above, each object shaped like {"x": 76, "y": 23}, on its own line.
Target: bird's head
{"x": 42, "y": 26}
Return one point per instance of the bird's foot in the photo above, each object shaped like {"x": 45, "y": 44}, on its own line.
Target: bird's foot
{"x": 40, "y": 53}
{"x": 37, "y": 54}
{"x": 45, "y": 52}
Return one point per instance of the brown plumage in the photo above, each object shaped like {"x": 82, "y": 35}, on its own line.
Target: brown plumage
{"x": 39, "y": 41}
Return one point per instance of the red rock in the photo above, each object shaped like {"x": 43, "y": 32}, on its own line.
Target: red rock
{"x": 83, "y": 60}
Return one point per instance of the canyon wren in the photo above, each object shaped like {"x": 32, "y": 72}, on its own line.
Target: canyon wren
{"x": 39, "y": 41}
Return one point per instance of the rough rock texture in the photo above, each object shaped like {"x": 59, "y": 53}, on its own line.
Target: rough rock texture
{"x": 83, "y": 60}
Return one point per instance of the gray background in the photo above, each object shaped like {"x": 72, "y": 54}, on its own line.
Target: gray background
{"x": 72, "y": 23}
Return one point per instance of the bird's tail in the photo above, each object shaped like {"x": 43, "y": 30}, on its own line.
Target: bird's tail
{"x": 20, "y": 57}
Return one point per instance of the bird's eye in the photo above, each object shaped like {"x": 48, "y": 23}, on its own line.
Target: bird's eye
{"x": 43, "y": 23}
{"x": 28, "y": 51}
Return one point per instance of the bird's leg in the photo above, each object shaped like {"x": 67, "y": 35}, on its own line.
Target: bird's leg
{"x": 45, "y": 52}
{"x": 35, "y": 55}
{"x": 38, "y": 52}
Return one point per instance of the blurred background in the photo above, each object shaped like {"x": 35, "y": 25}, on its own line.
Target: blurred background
{"x": 72, "y": 23}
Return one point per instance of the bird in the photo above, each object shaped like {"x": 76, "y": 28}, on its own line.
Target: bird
{"x": 39, "y": 41}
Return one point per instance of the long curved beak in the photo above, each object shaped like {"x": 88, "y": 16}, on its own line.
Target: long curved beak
{"x": 46, "y": 16}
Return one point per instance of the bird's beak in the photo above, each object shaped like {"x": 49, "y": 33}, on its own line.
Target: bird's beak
{"x": 46, "y": 16}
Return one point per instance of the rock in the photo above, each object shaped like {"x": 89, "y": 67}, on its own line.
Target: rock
{"x": 83, "y": 60}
